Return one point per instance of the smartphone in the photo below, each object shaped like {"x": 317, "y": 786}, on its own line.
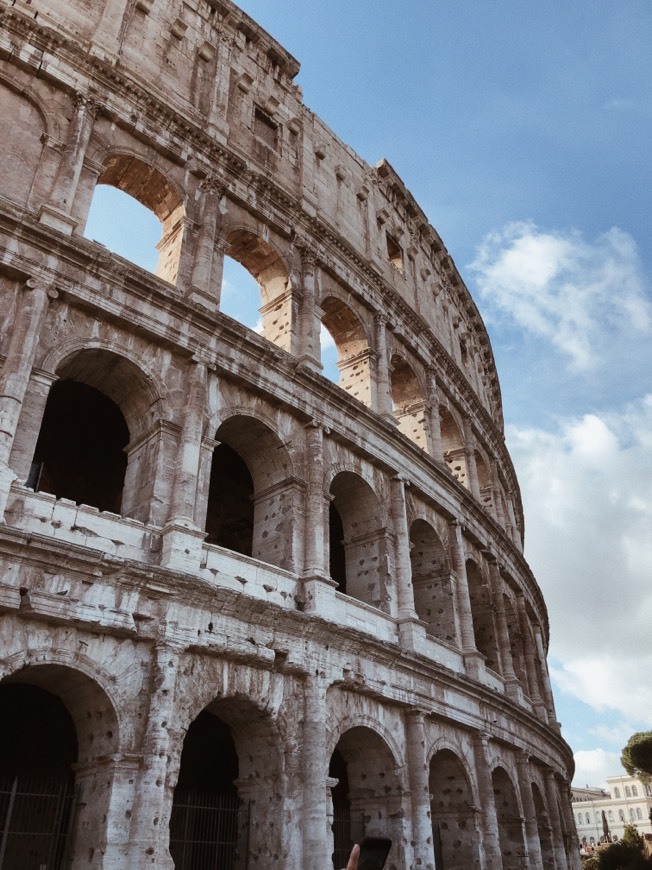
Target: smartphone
{"x": 373, "y": 853}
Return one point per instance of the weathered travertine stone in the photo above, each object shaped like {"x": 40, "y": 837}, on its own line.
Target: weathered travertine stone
{"x": 236, "y": 596}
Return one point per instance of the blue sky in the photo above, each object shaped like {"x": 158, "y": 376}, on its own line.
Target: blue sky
{"x": 524, "y": 130}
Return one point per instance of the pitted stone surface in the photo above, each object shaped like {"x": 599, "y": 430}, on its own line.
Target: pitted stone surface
{"x": 304, "y": 598}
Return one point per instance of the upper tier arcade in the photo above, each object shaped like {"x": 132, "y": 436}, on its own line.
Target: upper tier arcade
{"x": 207, "y": 545}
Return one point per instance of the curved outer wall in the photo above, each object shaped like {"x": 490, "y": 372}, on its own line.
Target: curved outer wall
{"x": 373, "y": 642}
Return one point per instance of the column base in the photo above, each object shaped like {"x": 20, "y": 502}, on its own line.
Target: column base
{"x": 412, "y": 634}
{"x": 7, "y": 477}
{"x": 317, "y": 592}
{"x": 57, "y": 220}
{"x": 182, "y": 546}
{"x": 474, "y": 665}
{"x": 202, "y": 297}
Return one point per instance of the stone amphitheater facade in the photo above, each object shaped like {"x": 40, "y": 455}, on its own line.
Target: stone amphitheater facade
{"x": 248, "y": 614}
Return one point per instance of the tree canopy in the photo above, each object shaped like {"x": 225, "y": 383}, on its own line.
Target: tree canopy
{"x": 636, "y": 756}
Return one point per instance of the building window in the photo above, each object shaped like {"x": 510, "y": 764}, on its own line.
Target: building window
{"x": 639, "y": 813}
{"x": 265, "y": 128}
{"x": 588, "y": 819}
{"x": 616, "y": 792}
{"x": 579, "y": 818}
{"x": 628, "y": 791}
{"x": 634, "y": 791}
{"x": 621, "y": 815}
{"x": 394, "y": 253}
{"x": 611, "y": 815}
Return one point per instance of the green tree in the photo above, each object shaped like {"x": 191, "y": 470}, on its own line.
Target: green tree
{"x": 625, "y": 855}
{"x": 636, "y": 756}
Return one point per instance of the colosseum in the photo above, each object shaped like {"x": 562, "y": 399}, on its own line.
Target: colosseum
{"x": 249, "y": 614}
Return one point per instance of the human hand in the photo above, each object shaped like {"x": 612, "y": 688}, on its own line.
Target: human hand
{"x": 353, "y": 859}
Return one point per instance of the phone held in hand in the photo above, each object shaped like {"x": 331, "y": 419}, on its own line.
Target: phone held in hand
{"x": 373, "y": 853}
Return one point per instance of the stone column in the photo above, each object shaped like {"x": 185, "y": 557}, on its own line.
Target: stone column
{"x": 317, "y": 588}
{"x": 424, "y": 856}
{"x": 547, "y": 687}
{"x": 182, "y": 539}
{"x": 204, "y": 286}
{"x": 469, "y": 453}
{"x": 383, "y": 397}
{"x": 149, "y": 835}
{"x": 530, "y": 659}
{"x": 498, "y": 505}
{"x": 504, "y": 640}
{"x": 30, "y": 314}
{"x": 492, "y": 857}
{"x": 529, "y": 811}
{"x": 472, "y": 657}
{"x": 404, "y": 592}
{"x": 56, "y": 213}
{"x": 310, "y": 322}
{"x": 315, "y": 787}
{"x": 433, "y": 420}
{"x": 559, "y": 846}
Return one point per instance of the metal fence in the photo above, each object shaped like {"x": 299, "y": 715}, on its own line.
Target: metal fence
{"x": 35, "y": 820}
{"x": 208, "y": 831}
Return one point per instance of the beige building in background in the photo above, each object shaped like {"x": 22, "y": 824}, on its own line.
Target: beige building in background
{"x": 626, "y": 801}
{"x": 247, "y": 614}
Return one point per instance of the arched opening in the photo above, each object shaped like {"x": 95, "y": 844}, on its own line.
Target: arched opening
{"x": 365, "y": 574}
{"x": 510, "y": 828}
{"x": 454, "y": 824}
{"x": 240, "y": 295}
{"x": 226, "y": 803}
{"x": 432, "y": 582}
{"x": 58, "y": 742}
{"x": 38, "y": 749}
{"x": 453, "y": 446}
{"x": 482, "y": 611}
{"x": 337, "y": 553}
{"x": 230, "y": 514}
{"x": 544, "y": 828}
{"x": 80, "y": 452}
{"x": 408, "y": 401}
{"x": 367, "y": 797}
{"x": 96, "y": 445}
{"x": 20, "y": 164}
{"x": 353, "y": 357}
{"x": 252, "y": 499}
{"x": 516, "y": 642}
{"x": 270, "y": 273}
{"x": 484, "y": 483}
{"x": 206, "y": 811}
{"x": 121, "y": 224}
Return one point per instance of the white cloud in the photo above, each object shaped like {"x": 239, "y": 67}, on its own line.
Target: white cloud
{"x": 587, "y": 493}
{"x": 581, "y": 297}
{"x": 593, "y": 766}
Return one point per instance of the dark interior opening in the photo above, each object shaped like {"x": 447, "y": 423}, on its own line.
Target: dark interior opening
{"x": 38, "y": 747}
{"x": 37, "y": 735}
{"x": 80, "y": 452}
{"x": 337, "y": 554}
{"x": 206, "y": 812}
{"x": 230, "y": 515}
{"x": 342, "y": 836}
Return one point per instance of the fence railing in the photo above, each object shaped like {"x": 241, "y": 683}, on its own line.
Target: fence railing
{"x": 35, "y": 821}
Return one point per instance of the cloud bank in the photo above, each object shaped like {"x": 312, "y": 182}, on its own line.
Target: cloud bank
{"x": 586, "y": 478}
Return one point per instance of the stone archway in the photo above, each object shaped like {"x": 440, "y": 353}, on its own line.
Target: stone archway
{"x": 93, "y": 443}
{"x": 353, "y": 353}
{"x": 454, "y": 816}
{"x": 59, "y": 738}
{"x": 252, "y": 496}
{"x": 510, "y": 825}
{"x": 362, "y": 550}
{"x": 434, "y": 594}
{"x": 226, "y": 802}
{"x": 367, "y": 799}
